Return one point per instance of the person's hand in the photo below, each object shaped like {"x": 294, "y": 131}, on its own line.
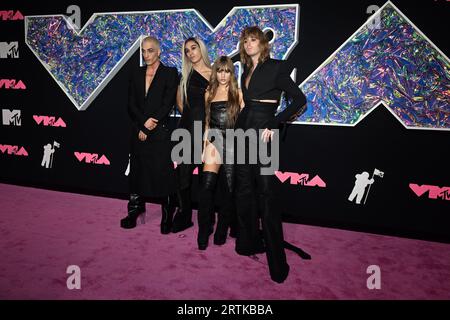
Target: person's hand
{"x": 151, "y": 123}
{"x": 142, "y": 136}
{"x": 267, "y": 135}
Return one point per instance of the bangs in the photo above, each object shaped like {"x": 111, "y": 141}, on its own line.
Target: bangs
{"x": 253, "y": 32}
{"x": 222, "y": 65}
{"x": 223, "y": 68}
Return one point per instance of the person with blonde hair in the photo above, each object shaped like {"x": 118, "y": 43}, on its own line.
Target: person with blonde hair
{"x": 223, "y": 102}
{"x": 196, "y": 70}
{"x": 263, "y": 81}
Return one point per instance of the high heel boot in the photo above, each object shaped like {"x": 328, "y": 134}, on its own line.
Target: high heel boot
{"x": 206, "y": 208}
{"x": 183, "y": 216}
{"x": 168, "y": 209}
{"x": 136, "y": 209}
{"x": 224, "y": 219}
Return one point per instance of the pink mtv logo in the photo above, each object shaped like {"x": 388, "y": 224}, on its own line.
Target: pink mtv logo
{"x": 13, "y": 150}
{"x": 92, "y": 158}
{"x": 434, "y": 192}
{"x": 300, "y": 179}
{"x": 12, "y": 84}
{"x": 10, "y": 15}
{"x": 49, "y": 121}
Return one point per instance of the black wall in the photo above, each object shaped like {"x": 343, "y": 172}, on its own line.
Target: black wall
{"x": 335, "y": 154}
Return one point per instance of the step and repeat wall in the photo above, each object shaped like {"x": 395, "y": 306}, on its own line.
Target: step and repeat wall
{"x": 371, "y": 153}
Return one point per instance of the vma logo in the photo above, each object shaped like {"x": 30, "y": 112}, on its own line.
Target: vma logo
{"x": 11, "y": 117}
{"x": 92, "y": 158}
{"x": 13, "y": 150}
{"x": 434, "y": 192}
{"x": 12, "y": 84}
{"x": 49, "y": 121}
{"x": 301, "y": 179}
{"x": 10, "y": 15}
{"x": 9, "y": 50}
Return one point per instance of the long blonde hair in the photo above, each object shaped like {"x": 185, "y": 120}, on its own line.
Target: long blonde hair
{"x": 186, "y": 64}
{"x": 233, "y": 107}
{"x": 256, "y": 32}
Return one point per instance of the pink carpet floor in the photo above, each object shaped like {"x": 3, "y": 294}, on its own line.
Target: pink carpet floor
{"x": 43, "y": 232}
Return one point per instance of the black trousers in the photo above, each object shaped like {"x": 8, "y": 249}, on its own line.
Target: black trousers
{"x": 255, "y": 201}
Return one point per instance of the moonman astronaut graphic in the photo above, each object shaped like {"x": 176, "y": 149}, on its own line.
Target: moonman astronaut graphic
{"x": 49, "y": 149}
{"x": 362, "y": 181}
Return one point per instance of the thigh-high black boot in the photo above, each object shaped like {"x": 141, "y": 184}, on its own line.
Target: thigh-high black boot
{"x": 206, "y": 208}
{"x": 223, "y": 219}
{"x": 226, "y": 209}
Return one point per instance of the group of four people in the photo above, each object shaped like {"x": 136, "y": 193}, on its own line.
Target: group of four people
{"x": 210, "y": 96}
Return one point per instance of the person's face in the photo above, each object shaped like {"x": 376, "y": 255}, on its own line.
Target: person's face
{"x": 223, "y": 76}
{"x": 150, "y": 52}
{"x": 192, "y": 52}
{"x": 252, "y": 46}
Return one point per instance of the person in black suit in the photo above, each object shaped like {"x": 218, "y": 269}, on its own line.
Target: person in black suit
{"x": 151, "y": 97}
{"x": 262, "y": 82}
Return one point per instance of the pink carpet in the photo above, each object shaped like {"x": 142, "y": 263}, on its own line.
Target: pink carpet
{"x": 43, "y": 232}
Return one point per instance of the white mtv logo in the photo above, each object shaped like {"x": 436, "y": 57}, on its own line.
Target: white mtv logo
{"x": 9, "y": 50}
{"x": 11, "y": 117}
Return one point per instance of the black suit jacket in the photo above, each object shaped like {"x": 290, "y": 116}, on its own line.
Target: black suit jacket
{"x": 268, "y": 81}
{"x": 157, "y": 104}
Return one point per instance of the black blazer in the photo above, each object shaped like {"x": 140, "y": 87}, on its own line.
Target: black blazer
{"x": 268, "y": 81}
{"x": 157, "y": 104}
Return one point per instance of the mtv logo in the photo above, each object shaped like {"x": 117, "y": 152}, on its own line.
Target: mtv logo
{"x": 11, "y": 117}
{"x": 9, "y": 50}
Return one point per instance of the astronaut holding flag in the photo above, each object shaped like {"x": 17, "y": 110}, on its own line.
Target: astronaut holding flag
{"x": 361, "y": 183}
{"x": 47, "y": 159}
